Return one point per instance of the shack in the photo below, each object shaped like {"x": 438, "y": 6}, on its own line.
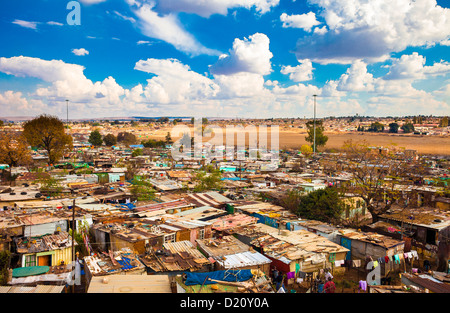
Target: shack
{"x": 230, "y": 253}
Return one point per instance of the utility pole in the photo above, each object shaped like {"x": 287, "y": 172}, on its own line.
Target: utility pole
{"x": 314, "y": 150}
{"x": 73, "y": 245}
{"x": 67, "y": 110}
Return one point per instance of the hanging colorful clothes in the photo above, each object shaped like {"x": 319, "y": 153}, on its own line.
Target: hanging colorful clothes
{"x": 363, "y": 285}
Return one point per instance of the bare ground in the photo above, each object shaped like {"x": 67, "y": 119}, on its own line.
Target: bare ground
{"x": 294, "y": 139}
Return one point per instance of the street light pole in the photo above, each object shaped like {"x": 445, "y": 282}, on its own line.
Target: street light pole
{"x": 314, "y": 149}
{"x": 67, "y": 106}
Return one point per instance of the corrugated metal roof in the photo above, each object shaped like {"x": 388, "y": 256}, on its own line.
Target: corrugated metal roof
{"x": 184, "y": 246}
{"x": 231, "y": 221}
{"x": 176, "y": 204}
{"x": 219, "y": 247}
{"x": 211, "y": 198}
{"x": 427, "y": 283}
{"x": 248, "y": 258}
{"x": 130, "y": 284}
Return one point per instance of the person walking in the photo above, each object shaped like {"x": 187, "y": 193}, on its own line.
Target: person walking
{"x": 329, "y": 287}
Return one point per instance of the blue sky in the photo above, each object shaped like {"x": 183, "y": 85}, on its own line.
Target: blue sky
{"x": 247, "y": 58}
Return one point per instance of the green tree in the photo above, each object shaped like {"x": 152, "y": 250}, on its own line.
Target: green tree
{"x": 207, "y": 181}
{"x": 408, "y": 128}
{"x": 142, "y": 190}
{"x": 321, "y": 139}
{"x": 393, "y": 127}
{"x": 376, "y": 127}
{"x": 126, "y": 138}
{"x": 168, "y": 139}
{"x": 48, "y": 132}
{"x": 110, "y": 140}
{"x": 152, "y": 143}
{"x": 443, "y": 122}
{"x": 1, "y": 123}
{"x": 50, "y": 185}
{"x": 137, "y": 152}
{"x": 95, "y": 138}
{"x": 291, "y": 201}
{"x": 322, "y": 205}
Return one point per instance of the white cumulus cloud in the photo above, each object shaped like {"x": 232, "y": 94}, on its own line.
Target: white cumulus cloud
{"x": 174, "y": 82}
{"x": 304, "y": 21}
{"x": 299, "y": 73}
{"x": 250, "y": 55}
{"x": 412, "y": 67}
{"x": 372, "y": 30}
{"x": 80, "y": 52}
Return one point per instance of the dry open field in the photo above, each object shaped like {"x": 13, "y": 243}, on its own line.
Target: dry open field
{"x": 423, "y": 144}
{"x": 294, "y": 139}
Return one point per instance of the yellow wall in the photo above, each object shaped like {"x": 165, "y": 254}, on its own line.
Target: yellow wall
{"x": 62, "y": 255}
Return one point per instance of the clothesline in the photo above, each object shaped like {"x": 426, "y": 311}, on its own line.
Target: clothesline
{"x": 396, "y": 259}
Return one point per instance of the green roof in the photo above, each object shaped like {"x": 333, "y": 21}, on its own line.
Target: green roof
{"x": 30, "y": 271}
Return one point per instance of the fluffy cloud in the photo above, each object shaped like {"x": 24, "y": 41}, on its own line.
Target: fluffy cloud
{"x": 49, "y": 71}
{"x": 356, "y": 78}
{"x": 304, "y": 21}
{"x": 174, "y": 88}
{"x": 240, "y": 85}
{"x": 80, "y": 52}
{"x": 250, "y": 55}
{"x": 13, "y": 103}
{"x": 65, "y": 81}
{"x": 371, "y": 30}
{"x": 299, "y": 73}
{"x": 444, "y": 91}
{"x": 407, "y": 104}
{"x": 320, "y": 30}
{"x": 412, "y": 67}
{"x": 174, "y": 82}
